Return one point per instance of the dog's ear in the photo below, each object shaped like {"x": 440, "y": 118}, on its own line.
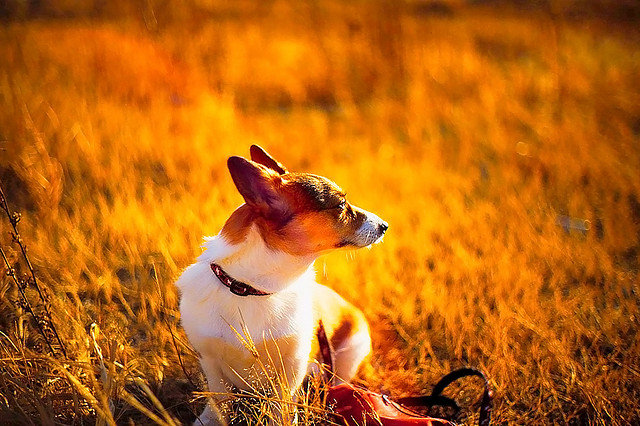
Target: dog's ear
{"x": 261, "y": 156}
{"x": 258, "y": 185}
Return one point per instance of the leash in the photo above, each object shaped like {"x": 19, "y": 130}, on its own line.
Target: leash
{"x": 236, "y": 287}
{"x": 435, "y": 399}
{"x": 326, "y": 353}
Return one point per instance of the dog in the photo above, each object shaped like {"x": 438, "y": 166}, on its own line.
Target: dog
{"x": 257, "y": 277}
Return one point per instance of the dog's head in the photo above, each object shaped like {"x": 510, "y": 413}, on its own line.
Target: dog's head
{"x": 299, "y": 213}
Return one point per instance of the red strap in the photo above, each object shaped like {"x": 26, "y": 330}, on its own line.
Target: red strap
{"x": 326, "y": 352}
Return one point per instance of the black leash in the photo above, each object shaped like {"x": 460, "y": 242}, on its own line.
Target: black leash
{"x": 436, "y": 397}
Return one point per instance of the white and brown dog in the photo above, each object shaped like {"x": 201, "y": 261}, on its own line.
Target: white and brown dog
{"x": 257, "y": 275}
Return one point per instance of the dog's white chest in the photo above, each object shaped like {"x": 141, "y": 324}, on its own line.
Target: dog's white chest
{"x": 277, "y": 329}
{"x": 248, "y": 367}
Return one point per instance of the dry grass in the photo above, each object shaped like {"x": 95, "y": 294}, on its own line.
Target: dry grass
{"x": 501, "y": 147}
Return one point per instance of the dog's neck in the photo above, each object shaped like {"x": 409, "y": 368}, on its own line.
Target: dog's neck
{"x": 252, "y": 262}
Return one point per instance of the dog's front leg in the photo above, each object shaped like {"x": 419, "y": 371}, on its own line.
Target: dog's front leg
{"x": 212, "y": 415}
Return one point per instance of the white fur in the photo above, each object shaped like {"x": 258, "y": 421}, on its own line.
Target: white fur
{"x": 210, "y": 312}
{"x": 350, "y": 353}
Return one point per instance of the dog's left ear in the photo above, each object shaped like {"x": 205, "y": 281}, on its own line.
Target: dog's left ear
{"x": 259, "y": 186}
{"x": 261, "y": 156}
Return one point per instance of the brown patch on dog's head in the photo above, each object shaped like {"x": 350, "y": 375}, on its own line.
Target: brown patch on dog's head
{"x": 297, "y": 213}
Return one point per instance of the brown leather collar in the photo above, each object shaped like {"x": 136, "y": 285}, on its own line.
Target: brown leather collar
{"x": 236, "y": 287}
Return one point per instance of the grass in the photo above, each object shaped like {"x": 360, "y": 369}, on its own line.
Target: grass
{"x": 500, "y": 145}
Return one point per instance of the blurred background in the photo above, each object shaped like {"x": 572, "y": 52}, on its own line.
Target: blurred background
{"x": 499, "y": 139}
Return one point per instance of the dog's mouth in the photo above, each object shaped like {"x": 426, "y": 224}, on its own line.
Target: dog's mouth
{"x": 366, "y": 243}
{"x": 344, "y": 243}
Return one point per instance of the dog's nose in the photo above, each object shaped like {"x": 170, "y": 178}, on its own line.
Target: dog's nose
{"x": 383, "y": 227}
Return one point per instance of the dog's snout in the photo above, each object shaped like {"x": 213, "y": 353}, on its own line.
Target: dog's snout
{"x": 371, "y": 230}
{"x": 382, "y": 227}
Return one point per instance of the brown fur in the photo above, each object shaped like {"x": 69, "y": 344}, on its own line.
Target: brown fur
{"x": 313, "y": 217}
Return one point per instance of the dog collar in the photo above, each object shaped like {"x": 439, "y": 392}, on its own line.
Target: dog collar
{"x": 236, "y": 287}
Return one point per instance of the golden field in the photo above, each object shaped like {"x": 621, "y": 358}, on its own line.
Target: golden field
{"x": 501, "y": 145}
